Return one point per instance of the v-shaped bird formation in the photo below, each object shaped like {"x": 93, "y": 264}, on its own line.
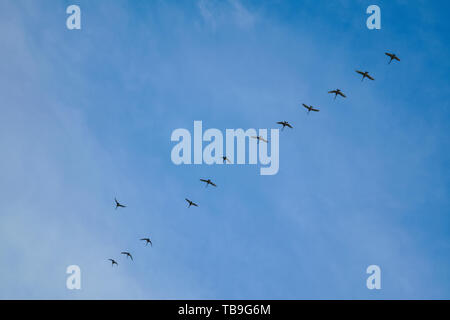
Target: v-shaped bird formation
{"x": 209, "y": 182}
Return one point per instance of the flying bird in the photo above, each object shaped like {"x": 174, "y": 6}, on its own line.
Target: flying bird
{"x": 191, "y": 203}
{"x": 208, "y": 182}
{"x": 113, "y": 262}
{"x": 259, "y": 138}
{"x": 147, "y": 241}
{"x": 365, "y": 75}
{"x": 225, "y": 159}
{"x": 392, "y": 56}
{"x": 310, "y": 108}
{"x": 118, "y": 204}
{"x": 127, "y": 254}
{"x": 284, "y": 124}
{"x": 337, "y": 92}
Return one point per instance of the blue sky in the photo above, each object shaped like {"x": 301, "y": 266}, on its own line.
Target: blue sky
{"x": 87, "y": 116}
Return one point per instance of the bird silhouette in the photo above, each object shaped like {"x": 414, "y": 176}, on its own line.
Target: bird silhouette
{"x": 127, "y": 254}
{"x": 284, "y": 124}
{"x": 147, "y": 241}
{"x": 113, "y": 262}
{"x": 191, "y": 203}
{"x": 208, "y": 182}
{"x": 259, "y": 138}
{"x": 226, "y": 159}
{"x": 337, "y": 92}
{"x": 118, "y": 205}
{"x": 310, "y": 108}
{"x": 392, "y": 56}
{"x": 365, "y": 75}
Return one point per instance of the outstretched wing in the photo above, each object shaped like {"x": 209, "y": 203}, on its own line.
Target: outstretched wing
{"x": 287, "y": 124}
{"x": 370, "y": 77}
{"x": 360, "y": 72}
{"x": 262, "y": 139}
{"x": 305, "y": 106}
{"x": 194, "y": 204}
{"x": 340, "y": 93}
{"x": 203, "y": 180}
{"x": 317, "y": 110}
{"x": 333, "y": 91}
{"x": 389, "y": 54}
{"x": 396, "y": 58}
{"x": 280, "y": 122}
{"x": 213, "y": 184}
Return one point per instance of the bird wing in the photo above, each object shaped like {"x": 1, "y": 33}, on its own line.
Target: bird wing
{"x": 213, "y": 184}
{"x": 396, "y": 58}
{"x": 254, "y": 137}
{"x": 317, "y": 110}
{"x": 189, "y": 201}
{"x": 228, "y": 160}
{"x": 305, "y": 106}
{"x": 204, "y": 180}
{"x": 389, "y": 54}
{"x": 194, "y": 204}
{"x": 263, "y": 139}
{"x": 289, "y": 125}
{"x": 370, "y": 77}
{"x": 360, "y": 72}
{"x": 280, "y": 122}
{"x": 340, "y": 93}
{"x": 333, "y": 91}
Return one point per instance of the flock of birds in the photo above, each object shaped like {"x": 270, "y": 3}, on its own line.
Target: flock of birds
{"x": 284, "y": 124}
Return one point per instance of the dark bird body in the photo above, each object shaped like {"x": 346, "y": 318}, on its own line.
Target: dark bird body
{"x": 118, "y": 205}
{"x": 127, "y": 254}
{"x": 337, "y": 92}
{"x": 365, "y": 75}
{"x": 259, "y": 138}
{"x": 208, "y": 182}
{"x": 191, "y": 203}
{"x": 284, "y": 124}
{"x": 113, "y": 262}
{"x": 392, "y": 56}
{"x": 310, "y": 108}
{"x": 147, "y": 241}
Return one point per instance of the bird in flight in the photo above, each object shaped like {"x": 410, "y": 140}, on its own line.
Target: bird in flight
{"x": 191, "y": 203}
{"x": 392, "y": 56}
{"x": 208, "y": 182}
{"x": 113, "y": 262}
{"x": 284, "y": 124}
{"x": 147, "y": 241}
{"x": 127, "y": 254}
{"x": 310, "y": 108}
{"x": 337, "y": 92}
{"x": 259, "y": 138}
{"x": 365, "y": 75}
{"x": 225, "y": 159}
{"x": 118, "y": 204}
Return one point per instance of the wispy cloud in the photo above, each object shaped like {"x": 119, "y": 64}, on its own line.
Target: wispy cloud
{"x": 217, "y": 13}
